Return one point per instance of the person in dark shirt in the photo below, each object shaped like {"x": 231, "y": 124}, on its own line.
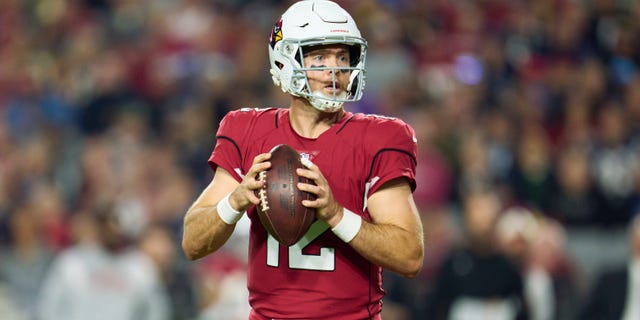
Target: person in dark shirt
{"x": 476, "y": 279}
{"x": 616, "y": 291}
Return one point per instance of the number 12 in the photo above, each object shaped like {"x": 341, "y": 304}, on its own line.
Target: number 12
{"x": 325, "y": 261}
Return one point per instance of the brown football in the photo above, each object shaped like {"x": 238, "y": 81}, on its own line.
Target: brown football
{"x": 280, "y": 209}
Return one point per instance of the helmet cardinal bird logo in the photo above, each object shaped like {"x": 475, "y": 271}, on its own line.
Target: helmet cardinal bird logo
{"x": 276, "y": 33}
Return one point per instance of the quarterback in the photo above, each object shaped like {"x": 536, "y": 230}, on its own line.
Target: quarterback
{"x": 363, "y": 167}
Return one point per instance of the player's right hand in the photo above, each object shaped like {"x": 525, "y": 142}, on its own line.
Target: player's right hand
{"x": 244, "y": 195}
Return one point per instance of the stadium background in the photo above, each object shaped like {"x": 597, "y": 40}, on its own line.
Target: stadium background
{"x": 119, "y": 100}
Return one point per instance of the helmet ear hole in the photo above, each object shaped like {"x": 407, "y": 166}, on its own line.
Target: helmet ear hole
{"x": 354, "y": 55}
{"x": 353, "y": 86}
{"x": 354, "y": 82}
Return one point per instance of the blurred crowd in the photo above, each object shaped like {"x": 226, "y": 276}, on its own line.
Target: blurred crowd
{"x": 115, "y": 104}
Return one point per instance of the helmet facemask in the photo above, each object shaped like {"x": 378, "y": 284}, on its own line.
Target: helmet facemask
{"x": 335, "y": 101}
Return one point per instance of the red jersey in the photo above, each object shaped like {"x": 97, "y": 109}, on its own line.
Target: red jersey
{"x": 320, "y": 277}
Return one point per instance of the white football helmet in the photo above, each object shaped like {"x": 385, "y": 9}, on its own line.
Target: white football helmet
{"x": 311, "y": 23}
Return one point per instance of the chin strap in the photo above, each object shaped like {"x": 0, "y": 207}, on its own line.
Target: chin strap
{"x": 325, "y": 105}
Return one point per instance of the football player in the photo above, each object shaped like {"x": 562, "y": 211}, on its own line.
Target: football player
{"x": 363, "y": 167}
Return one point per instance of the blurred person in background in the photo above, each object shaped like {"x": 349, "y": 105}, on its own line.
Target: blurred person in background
{"x": 537, "y": 246}
{"x": 221, "y": 284}
{"x": 616, "y": 291}
{"x": 574, "y": 200}
{"x": 8, "y": 307}
{"x": 473, "y": 171}
{"x": 26, "y": 260}
{"x": 159, "y": 243}
{"x": 614, "y": 164}
{"x": 549, "y": 262}
{"x": 476, "y": 280}
{"x": 516, "y": 230}
{"x": 103, "y": 276}
{"x": 531, "y": 177}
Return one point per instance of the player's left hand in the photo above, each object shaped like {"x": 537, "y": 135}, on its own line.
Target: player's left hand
{"x": 327, "y": 208}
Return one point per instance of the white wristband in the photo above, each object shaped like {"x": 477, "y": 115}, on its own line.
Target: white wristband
{"x": 227, "y": 213}
{"x": 348, "y": 227}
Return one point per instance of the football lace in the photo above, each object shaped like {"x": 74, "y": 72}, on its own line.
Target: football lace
{"x": 264, "y": 204}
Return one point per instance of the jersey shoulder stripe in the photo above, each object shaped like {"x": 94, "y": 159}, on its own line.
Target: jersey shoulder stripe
{"x": 380, "y": 133}
{"x": 237, "y": 125}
